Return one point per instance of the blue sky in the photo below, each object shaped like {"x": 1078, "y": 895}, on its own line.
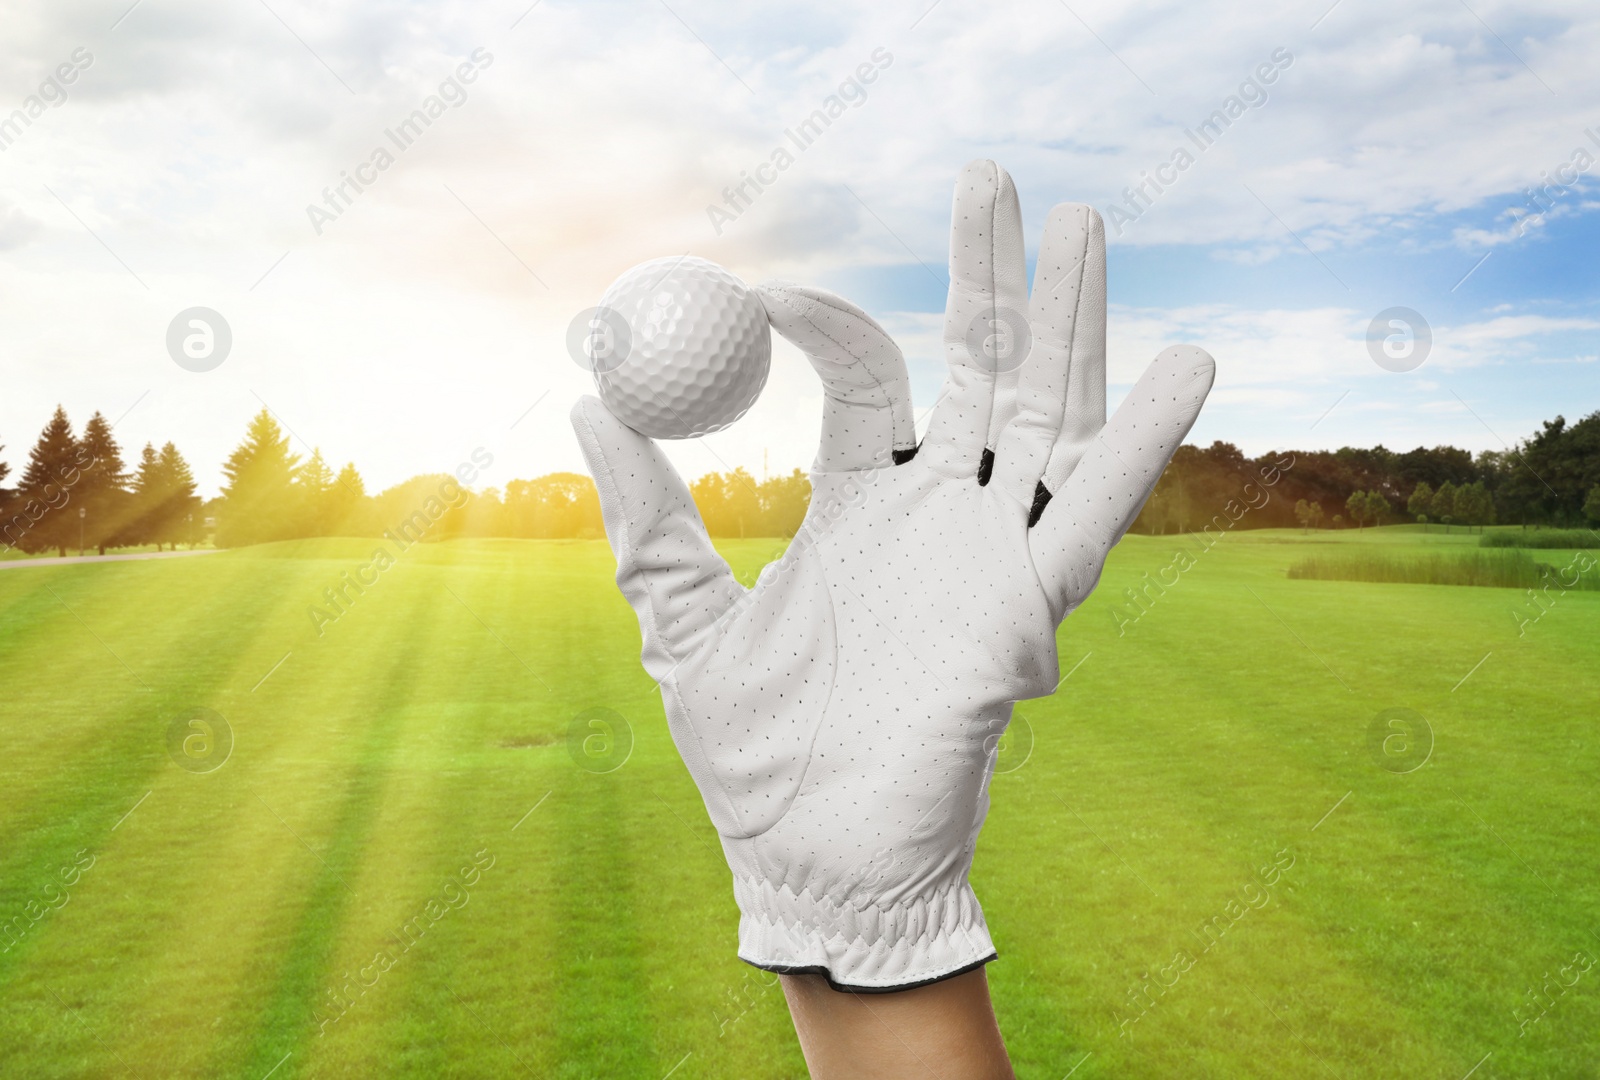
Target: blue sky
{"x": 1381, "y": 163}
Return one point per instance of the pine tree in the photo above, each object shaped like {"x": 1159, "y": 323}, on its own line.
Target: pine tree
{"x": 41, "y": 520}
{"x": 103, "y": 487}
{"x": 181, "y": 519}
{"x": 5, "y": 496}
{"x": 348, "y": 515}
{"x": 315, "y": 484}
{"x": 258, "y": 499}
{"x": 148, "y": 495}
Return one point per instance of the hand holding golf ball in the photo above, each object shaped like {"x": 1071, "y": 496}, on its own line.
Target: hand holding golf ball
{"x": 842, "y": 717}
{"x": 679, "y": 347}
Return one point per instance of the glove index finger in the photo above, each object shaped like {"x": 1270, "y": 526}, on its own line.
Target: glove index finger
{"x": 866, "y": 419}
{"x": 666, "y": 567}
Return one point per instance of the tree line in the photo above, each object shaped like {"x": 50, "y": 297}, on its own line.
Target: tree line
{"x": 1550, "y": 479}
{"x": 77, "y": 490}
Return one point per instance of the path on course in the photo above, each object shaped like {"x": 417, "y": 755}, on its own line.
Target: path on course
{"x": 12, "y": 564}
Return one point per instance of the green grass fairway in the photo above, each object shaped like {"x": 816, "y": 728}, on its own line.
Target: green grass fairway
{"x": 213, "y": 918}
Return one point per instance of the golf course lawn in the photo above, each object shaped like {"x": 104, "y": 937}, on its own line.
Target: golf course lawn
{"x": 409, "y": 766}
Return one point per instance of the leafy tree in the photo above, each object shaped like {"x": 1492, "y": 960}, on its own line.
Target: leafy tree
{"x": 1444, "y": 504}
{"x": 1591, "y": 505}
{"x": 558, "y": 505}
{"x": 1474, "y": 505}
{"x": 39, "y": 519}
{"x": 729, "y": 503}
{"x": 1552, "y": 472}
{"x": 1308, "y": 514}
{"x": 1433, "y": 467}
{"x": 1420, "y": 505}
{"x": 1378, "y": 507}
{"x": 259, "y": 497}
{"x": 1356, "y": 507}
{"x": 784, "y": 501}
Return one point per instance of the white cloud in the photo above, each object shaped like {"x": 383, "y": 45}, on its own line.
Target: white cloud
{"x": 600, "y": 133}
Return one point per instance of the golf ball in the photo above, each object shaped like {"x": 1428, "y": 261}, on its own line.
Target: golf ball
{"x": 687, "y": 348}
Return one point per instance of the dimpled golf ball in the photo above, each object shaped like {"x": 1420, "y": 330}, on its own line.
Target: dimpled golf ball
{"x": 697, "y": 348}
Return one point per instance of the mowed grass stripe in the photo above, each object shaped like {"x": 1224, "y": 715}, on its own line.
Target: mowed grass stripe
{"x": 602, "y": 1021}
{"x": 1291, "y": 766}
{"x": 1403, "y": 936}
{"x": 161, "y": 636}
{"x": 542, "y": 901}
{"x": 591, "y": 844}
{"x": 484, "y": 709}
{"x": 77, "y": 790}
{"x": 393, "y": 644}
{"x": 205, "y": 847}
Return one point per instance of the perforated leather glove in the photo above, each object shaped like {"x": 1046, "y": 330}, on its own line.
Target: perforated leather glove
{"x": 841, "y": 718}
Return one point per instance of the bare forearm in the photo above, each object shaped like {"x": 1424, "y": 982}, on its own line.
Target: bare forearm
{"x": 946, "y": 1029}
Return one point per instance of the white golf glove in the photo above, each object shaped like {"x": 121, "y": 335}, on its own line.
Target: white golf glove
{"x": 841, "y": 718}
